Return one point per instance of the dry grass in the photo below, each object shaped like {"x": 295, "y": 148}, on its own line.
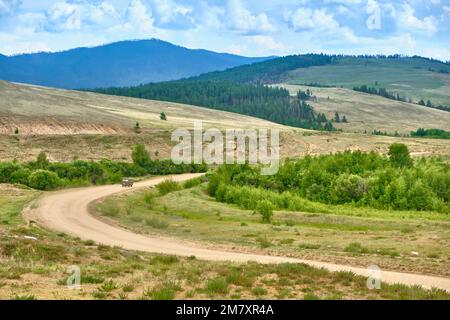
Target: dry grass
{"x": 100, "y": 126}
{"x": 371, "y": 112}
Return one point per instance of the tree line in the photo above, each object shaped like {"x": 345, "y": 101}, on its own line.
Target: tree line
{"x": 42, "y": 174}
{"x": 395, "y": 96}
{"x": 257, "y": 100}
{"x": 353, "y": 178}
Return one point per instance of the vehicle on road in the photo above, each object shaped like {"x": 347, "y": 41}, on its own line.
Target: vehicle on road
{"x": 127, "y": 182}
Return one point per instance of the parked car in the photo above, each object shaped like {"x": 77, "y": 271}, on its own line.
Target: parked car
{"x": 127, "y": 182}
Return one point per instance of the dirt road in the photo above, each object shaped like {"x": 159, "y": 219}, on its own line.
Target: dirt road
{"x": 67, "y": 211}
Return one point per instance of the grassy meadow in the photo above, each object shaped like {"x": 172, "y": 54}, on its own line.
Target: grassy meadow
{"x": 408, "y": 78}
{"x": 34, "y": 264}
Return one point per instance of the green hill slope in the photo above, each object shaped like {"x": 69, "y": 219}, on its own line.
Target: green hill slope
{"x": 414, "y": 78}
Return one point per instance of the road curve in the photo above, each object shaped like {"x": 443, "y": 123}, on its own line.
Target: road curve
{"x": 67, "y": 211}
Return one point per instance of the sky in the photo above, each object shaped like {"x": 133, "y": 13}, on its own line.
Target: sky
{"x": 245, "y": 27}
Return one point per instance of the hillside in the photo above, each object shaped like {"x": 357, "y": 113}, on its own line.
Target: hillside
{"x": 366, "y": 112}
{"x": 67, "y": 124}
{"x": 414, "y": 78}
{"x": 123, "y": 63}
{"x": 43, "y": 110}
{"x": 411, "y": 77}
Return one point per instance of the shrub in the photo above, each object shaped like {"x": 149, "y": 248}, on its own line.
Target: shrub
{"x": 44, "y": 180}
{"x": 192, "y": 182}
{"x": 140, "y": 156}
{"x": 217, "y": 286}
{"x": 265, "y": 209}
{"x": 356, "y": 247}
{"x": 20, "y": 176}
{"x": 349, "y": 188}
{"x": 42, "y": 161}
{"x": 399, "y": 155}
{"x": 149, "y": 199}
{"x": 6, "y": 170}
{"x": 156, "y": 223}
{"x": 167, "y": 186}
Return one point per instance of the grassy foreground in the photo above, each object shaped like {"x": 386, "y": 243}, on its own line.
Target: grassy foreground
{"x": 36, "y": 268}
{"x": 354, "y": 236}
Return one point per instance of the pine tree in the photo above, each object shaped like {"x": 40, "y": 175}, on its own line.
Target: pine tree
{"x": 162, "y": 116}
{"x": 344, "y": 119}
{"x": 336, "y": 117}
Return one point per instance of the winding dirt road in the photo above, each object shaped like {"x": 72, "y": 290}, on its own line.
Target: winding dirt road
{"x": 67, "y": 211}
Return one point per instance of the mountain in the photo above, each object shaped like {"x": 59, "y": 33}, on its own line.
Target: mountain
{"x": 124, "y": 63}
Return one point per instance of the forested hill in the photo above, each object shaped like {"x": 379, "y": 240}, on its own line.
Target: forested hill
{"x": 241, "y": 89}
{"x": 274, "y": 104}
{"x": 267, "y": 72}
{"x": 124, "y": 63}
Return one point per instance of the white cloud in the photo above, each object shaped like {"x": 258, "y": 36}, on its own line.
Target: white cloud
{"x": 406, "y": 20}
{"x": 304, "y": 19}
{"x": 258, "y": 45}
{"x": 172, "y": 15}
{"x": 238, "y": 18}
{"x": 138, "y": 17}
{"x": 70, "y": 16}
{"x": 8, "y": 7}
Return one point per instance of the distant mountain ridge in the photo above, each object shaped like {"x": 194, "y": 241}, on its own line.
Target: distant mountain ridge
{"x": 124, "y": 63}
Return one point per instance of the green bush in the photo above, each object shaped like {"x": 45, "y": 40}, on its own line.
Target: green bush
{"x": 140, "y": 156}
{"x": 192, "y": 182}
{"x": 265, "y": 209}
{"x": 21, "y": 176}
{"x": 349, "y": 188}
{"x": 217, "y": 286}
{"x": 44, "y": 180}
{"x": 6, "y": 170}
{"x": 356, "y": 178}
{"x": 167, "y": 186}
{"x": 399, "y": 155}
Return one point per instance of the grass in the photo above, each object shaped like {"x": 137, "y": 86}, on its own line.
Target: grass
{"x": 385, "y": 238}
{"x": 216, "y": 286}
{"x": 366, "y": 113}
{"x": 112, "y": 273}
{"x": 408, "y": 79}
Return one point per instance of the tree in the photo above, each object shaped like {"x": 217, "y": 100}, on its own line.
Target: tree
{"x": 344, "y": 119}
{"x": 16, "y": 131}
{"x": 162, "y": 116}
{"x": 41, "y": 160}
{"x": 140, "y": 156}
{"x": 137, "y": 128}
{"x": 421, "y": 102}
{"x": 336, "y": 117}
{"x": 399, "y": 155}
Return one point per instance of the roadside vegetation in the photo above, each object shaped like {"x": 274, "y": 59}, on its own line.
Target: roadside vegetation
{"x": 42, "y": 174}
{"x": 343, "y": 234}
{"x": 34, "y": 265}
{"x": 351, "y": 178}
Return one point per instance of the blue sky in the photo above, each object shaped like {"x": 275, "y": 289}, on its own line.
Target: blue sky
{"x": 246, "y": 27}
